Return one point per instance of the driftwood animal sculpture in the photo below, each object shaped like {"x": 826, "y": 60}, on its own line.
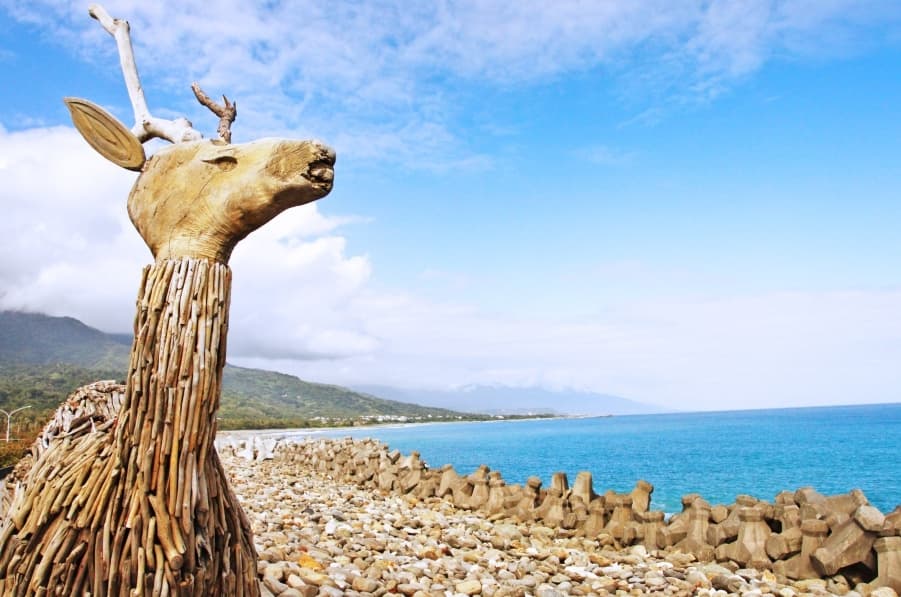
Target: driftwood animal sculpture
{"x": 142, "y": 506}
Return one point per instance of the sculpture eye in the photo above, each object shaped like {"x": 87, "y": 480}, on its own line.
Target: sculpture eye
{"x": 224, "y": 162}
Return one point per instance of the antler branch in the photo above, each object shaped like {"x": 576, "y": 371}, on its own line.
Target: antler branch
{"x": 146, "y": 126}
{"x": 226, "y": 113}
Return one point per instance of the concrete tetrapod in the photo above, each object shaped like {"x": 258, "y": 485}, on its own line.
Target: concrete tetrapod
{"x": 677, "y": 529}
{"x": 749, "y": 549}
{"x": 850, "y": 543}
{"x": 695, "y": 541}
{"x": 888, "y": 557}
{"x": 813, "y": 533}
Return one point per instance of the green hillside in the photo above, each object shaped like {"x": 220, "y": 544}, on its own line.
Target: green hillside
{"x": 43, "y": 358}
{"x": 280, "y": 400}
{"x": 35, "y": 339}
{"x": 42, "y": 388}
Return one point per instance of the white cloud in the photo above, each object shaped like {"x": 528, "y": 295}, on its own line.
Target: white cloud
{"x": 290, "y": 297}
{"x": 772, "y": 350}
{"x": 69, "y": 249}
{"x": 386, "y": 80}
{"x": 602, "y": 155}
{"x": 445, "y": 280}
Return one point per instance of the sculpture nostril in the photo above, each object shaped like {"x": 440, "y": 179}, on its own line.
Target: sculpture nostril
{"x": 322, "y": 173}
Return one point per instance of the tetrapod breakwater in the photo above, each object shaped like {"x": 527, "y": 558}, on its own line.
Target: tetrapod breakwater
{"x": 799, "y": 535}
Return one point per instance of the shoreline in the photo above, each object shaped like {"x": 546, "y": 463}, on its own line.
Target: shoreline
{"x": 242, "y": 434}
{"x": 589, "y": 552}
{"x": 676, "y": 472}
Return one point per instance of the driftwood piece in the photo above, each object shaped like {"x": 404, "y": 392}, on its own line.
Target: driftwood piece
{"x": 227, "y": 112}
{"x": 146, "y": 126}
{"x": 88, "y": 409}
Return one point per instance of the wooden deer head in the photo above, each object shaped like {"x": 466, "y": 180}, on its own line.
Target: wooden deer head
{"x": 198, "y": 198}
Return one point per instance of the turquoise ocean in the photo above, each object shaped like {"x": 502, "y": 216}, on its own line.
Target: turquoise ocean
{"x": 717, "y": 454}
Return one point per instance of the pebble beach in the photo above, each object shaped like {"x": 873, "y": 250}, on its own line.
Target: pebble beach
{"x": 316, "y": 536}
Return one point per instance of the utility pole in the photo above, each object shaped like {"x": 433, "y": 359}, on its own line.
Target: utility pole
{"x": 9, "y": 416}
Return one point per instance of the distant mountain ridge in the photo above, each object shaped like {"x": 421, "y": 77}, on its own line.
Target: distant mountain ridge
{"x": 269, "y": 395}
{"x": 512, "y": 400}
{"x": 43, "y": 358}
{"x": 37, "y": 339}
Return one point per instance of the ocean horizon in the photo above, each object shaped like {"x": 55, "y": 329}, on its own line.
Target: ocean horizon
{"x": 718, "y": 454}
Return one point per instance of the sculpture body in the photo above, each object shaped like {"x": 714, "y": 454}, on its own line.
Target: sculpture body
{"x": 141, "y": 504}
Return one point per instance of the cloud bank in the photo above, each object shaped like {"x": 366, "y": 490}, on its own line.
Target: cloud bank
{"x": 69, "y": 249}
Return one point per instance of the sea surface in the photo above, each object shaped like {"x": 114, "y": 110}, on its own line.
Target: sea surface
{"x": 717, "y": 454}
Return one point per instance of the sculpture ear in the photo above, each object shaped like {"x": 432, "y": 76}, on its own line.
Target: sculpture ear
{"x": 106, "y": 134}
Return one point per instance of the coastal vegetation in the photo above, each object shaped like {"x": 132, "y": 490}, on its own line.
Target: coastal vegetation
{"x": 12, "y": 451}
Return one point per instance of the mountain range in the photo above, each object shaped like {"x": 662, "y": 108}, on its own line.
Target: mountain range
{"x": 43, "y": 358}
{"x": 514, "y": 400}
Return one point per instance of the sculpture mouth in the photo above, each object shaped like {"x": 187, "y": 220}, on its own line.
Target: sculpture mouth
{"x": 322, "y": 171}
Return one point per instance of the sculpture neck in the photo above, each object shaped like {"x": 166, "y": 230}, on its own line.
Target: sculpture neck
{"x": 174, "y": 380}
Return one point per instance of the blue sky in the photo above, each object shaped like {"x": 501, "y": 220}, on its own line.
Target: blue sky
{"x": 695, "y": 204}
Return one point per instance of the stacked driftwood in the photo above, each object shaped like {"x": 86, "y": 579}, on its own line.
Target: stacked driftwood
{"x": 139, "y": 500}
{"x": 86, "y": 410}
{"x": 802, "y": 534}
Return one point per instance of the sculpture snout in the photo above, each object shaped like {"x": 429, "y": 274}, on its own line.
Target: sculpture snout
{"x": 322, "y": 171}
{"x": 307, "y": 163}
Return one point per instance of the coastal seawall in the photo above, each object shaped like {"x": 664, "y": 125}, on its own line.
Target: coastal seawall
{"x": 801, "y": 534}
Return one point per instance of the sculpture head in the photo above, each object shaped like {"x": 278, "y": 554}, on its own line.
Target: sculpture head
{"x": 198, "y": 198}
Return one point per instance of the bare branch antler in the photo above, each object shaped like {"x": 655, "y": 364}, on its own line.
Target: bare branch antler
{"x": 146, "y": 126}
{"x": 226, "y": 113}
